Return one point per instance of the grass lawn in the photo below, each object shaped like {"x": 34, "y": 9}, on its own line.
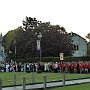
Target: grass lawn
{"x": 7, "y": 78}
{"x": 74, "y": 87}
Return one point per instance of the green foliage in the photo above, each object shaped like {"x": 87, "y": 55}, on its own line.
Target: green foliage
{"x": 39, "y": 71}
{"x": 54, "y": 40}
{"x": 8, "y": 42}
{"x": 84, "y": 58}
{"x": 54, "y": 59}
{"x": 88, "y": 44}
{"x": 28, "y": 71}
{"x": 88, "y": 36}
{"x": 7, "y": 39}
{"x": 88, "y": 48}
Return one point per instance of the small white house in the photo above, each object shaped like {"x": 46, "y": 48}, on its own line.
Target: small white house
{"x": 79, "y": 45}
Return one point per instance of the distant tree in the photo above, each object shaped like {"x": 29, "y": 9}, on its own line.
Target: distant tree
{"x": 88, "y": 48}
{"x": 88, "y": 36}
{"x": 8, "y": 38}
{"x": 88, "y": 44}
{"x": 8, "y": 42}
{"x": 30, "y": 23}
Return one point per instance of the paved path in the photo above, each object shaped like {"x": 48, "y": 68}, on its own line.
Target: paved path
{"x": 52, "y": 84}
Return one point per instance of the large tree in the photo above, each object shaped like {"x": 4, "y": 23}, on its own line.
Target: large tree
{"x": 54, "y": 39}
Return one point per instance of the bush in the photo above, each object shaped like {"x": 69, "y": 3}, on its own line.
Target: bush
{"x": 28, "y": 71}
{"x": 39, "y": 71}
{"x": 84, "y": 58}
{"x": 54, "y": 59}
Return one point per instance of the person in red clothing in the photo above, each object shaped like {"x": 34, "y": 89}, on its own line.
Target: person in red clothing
{"x": 78, "y": 69}
{"x": 66, "y": 68}
{"x": 81, "y": 67}
{"x": 86, "y": 67}
{"x": 89, "y": 66}
{"x": 69, "y": 67}
{"x": 60, "y": 66}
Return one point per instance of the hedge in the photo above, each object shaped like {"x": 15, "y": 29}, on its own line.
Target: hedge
{"x": 54, "y": 59}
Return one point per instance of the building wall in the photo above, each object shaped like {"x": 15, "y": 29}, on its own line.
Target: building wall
{"x": 81, "y": 46}
{"x": 2, "y": 54}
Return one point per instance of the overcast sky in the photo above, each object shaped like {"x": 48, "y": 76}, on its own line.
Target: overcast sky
{"x": 74, "y": 15}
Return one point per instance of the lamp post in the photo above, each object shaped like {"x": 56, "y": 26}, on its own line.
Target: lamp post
{"x": 63, "y": 71}
{"x": 39, "y": 44}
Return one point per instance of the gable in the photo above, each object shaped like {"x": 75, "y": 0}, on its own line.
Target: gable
{"x": 79, "y": 45}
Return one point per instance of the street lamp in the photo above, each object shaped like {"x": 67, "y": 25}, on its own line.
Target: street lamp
{"x": 63, "y": 69}
{"x": 39, "y": 43}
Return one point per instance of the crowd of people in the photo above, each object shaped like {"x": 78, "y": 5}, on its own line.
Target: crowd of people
{"x": 67, "y": 67}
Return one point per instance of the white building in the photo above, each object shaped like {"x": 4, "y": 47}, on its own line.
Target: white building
{"x": 79, "y": 44}
{"x": 2, "y": 54}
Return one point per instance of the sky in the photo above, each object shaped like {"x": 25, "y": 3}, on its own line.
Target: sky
{"x": 73, "y": 15}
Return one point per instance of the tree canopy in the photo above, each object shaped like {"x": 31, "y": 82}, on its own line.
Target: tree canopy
{"x": 88, "y": 36}
{"x": 54, "y": 39}
{"x": 88, "y": 45}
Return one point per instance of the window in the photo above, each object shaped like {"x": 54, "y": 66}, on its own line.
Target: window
{"x": 76, "y": 47}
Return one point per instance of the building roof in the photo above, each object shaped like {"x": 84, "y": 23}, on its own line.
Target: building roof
{"x": 73, "y": 34}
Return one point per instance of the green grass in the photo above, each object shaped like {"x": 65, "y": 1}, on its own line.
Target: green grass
{"x": 74, "y": 87}
{"x": 7, "y": 78}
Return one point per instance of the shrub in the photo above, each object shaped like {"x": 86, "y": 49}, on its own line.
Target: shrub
{"x": 39, "y": 71}
{"x": 28, "y": 71}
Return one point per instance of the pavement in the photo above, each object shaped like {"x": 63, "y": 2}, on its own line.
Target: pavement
{"x": 49, "y": 84}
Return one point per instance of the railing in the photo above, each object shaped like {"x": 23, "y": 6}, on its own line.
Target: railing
{"x": 32, "y": 78}
{"x": 23, "y": 82}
